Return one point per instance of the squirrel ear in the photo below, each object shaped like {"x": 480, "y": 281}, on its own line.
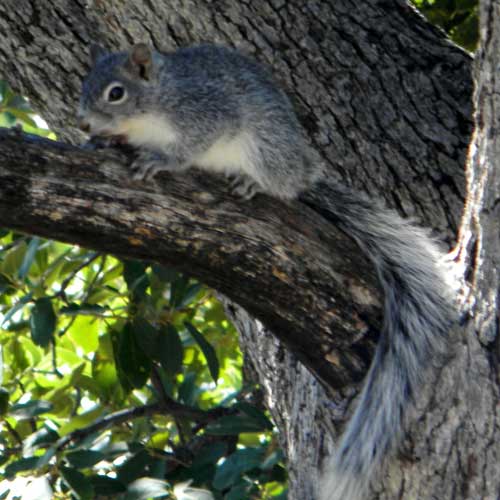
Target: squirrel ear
{"x": 96, "y": 52}
{"x": 140, "y": 61}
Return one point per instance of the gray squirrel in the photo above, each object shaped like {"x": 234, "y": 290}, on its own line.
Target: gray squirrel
{"x": 214, "y": 108}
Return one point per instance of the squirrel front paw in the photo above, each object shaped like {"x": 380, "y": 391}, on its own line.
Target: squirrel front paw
{"x": 102, "y": 142}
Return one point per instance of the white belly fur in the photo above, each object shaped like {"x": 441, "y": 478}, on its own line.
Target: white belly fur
{"x": 147, "y": 130}
{"x": 235, "y": 155}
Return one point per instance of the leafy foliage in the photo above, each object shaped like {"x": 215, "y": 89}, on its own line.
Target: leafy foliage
{"x": 15, "y": 110}
{"x": 459, "y": 18}
{"x": 121, "y": 379}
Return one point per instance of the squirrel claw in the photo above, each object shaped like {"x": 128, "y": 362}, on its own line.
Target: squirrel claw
{"x": 145, "y": 171}
{"x": 244, "y": 187}
{"x": 145, "y": 167}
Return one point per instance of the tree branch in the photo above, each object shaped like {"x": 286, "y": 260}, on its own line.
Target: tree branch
{"x": 100, "y": 424}
{"x": 303, "y": 278}
{"x": 169, "y": 407}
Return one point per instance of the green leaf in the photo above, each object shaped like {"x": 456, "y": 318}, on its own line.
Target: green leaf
{"x": 134, "y": 467}
{"x": 165, "y": 274}
{"x": 73, "y": 262}
{"x": 189, "y": 295}
{"x": 236, "y": 464}
{"x": 167, "y": 383}
{"x": 240, "y": 491}
{"x": 79, "y": 484}
{"x": 20, "y": 326}
{"x": 271, "y": 460}
{"x": 13, "y": 258}
{"x": 30, "y": 409}
{"x": 188, "y": 390}
{"x": 146, "y": 336}
{"x": 145, "y": 488}
{"x": 42, "y": 437}
{"x": 134, "y": 273}
{"x": 158, "y": 468}
{"x": 21, "y": 115}
{"x": 133, "y": 365}
{"x": 19, "y": 304}
{"x": 29, "y": 257}
{"x": 7, "y": 96}
{"x": 81, "y": 420}
{"x": 46, "y": 457}
{"x": 170, "y": 350}
{"x": 178, "y": 290}
{"x": 4, "y": 400}
{"x": 20, "y": 102}
{"x": 6, "y": 286}
{"x": 42, "y": 322}
{"x": 20, "y": 356}
{"x": 207, "y": 350}
{"x": 21, "y": 465}
{"x": 112, "y": 274}
{"x": 85, "y": 333}
{"x": 210, "y": 454}
{"x": 255, "y": 413}
{"x": 81, "y": 459}
{"x": 3, "y": 90}
{"x": 107, "y": 486}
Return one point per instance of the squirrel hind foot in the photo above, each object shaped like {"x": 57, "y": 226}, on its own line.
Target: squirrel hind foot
{"x": 244, "y": 187}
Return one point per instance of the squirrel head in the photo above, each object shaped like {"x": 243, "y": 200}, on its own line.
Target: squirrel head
{"x": 115, "y": 89}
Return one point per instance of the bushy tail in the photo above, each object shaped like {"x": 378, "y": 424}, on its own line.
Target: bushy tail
{"x": 418, "y": 315}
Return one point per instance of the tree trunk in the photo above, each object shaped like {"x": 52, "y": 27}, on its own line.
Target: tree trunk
{"x": 476, "y": 417}
{"x": 386, "y": 99}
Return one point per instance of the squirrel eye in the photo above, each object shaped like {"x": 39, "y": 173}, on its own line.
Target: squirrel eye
{"x": 115, "y": 94}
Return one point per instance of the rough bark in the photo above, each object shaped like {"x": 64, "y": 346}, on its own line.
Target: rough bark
{"x": 477, "y": 422}
{"x": 386, "y": 99}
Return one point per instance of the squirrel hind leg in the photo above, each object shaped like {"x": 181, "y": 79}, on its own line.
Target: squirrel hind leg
{"x": 147, "y": 164}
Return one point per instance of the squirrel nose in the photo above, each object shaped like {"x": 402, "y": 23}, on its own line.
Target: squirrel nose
{"x": 83, "y": 124}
